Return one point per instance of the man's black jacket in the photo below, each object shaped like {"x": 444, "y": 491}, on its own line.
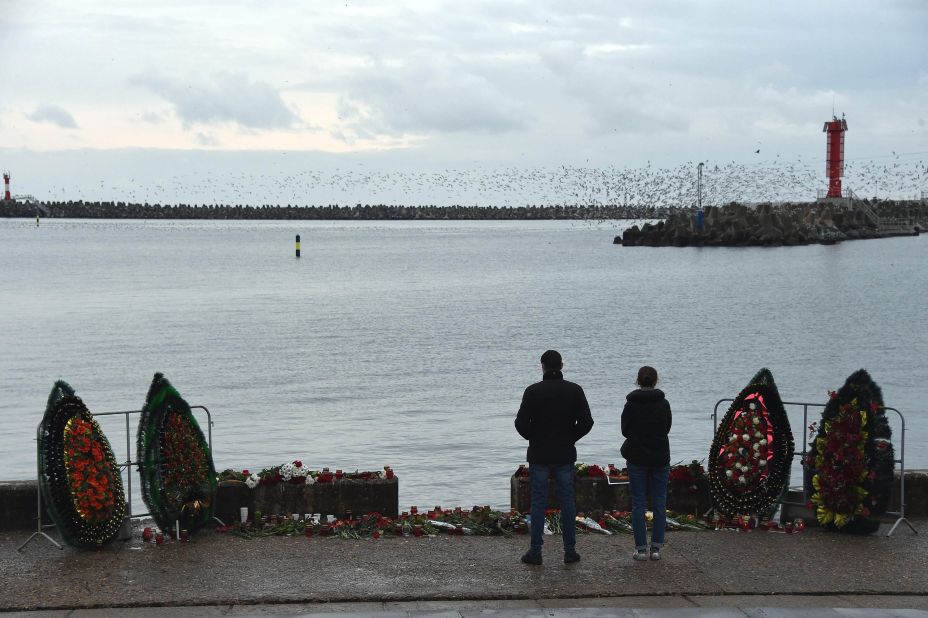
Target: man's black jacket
{"x": 554, "y": 414}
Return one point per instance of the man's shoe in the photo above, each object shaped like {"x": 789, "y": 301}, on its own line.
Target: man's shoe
{"x": 571, "y": 556}
{"x": 655, "y": 553}
{"x": 532, "y": 557}
{"x": 640, "y": 555}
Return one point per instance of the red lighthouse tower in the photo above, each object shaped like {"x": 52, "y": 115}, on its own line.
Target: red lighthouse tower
{"x": 6, "y": 186}
{"x": 834, "y": 154}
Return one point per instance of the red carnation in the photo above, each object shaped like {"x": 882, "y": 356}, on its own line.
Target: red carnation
{"x": 246, "y": 473}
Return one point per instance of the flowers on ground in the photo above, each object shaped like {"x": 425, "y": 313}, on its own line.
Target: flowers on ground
{"x": 479, "y": 520}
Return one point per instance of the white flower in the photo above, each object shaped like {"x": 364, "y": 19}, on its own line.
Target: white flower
{"x": 310, "y": 480}
{"x": 728, "y": 473}
{"x": 745, "y": 437}
{"x": 286, "y": 471}
{"x": 743, "y": 481}
{"x": 732, "y": 438}
{"x": 252, "y": 481}
{"x": 758, "y": 434}
{"x": 764, "y": 441}
{"x": 752, "y": 406}
{"x": 756, "y": 421}
{"x": 755, "y": 446}
{"x": 762, "y": 463}
{"x": 299, "y": 472}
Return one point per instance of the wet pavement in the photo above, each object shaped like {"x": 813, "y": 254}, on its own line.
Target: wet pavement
{"x": 735, "y": 573}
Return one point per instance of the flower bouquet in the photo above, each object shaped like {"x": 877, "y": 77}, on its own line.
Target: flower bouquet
{"x": 296, "y": 473}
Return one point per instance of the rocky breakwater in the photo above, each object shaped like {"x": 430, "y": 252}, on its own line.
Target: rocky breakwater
{"x": 738, "y": 225}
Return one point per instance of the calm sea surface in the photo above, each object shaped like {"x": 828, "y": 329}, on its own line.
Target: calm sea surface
{"x": 409, "y": 343}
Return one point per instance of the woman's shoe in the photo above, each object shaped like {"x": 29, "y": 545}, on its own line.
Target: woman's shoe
{"x": 655, "y": 553}
{"x": 640, "y": 555}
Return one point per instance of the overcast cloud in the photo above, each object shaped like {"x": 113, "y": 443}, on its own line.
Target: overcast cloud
{"x": 53, "y": 114}
{"x": 488, "y": 84}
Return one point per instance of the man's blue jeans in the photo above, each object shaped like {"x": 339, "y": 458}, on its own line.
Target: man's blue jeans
{"x": 639, "y": 478}
{"x": 564, "y": 479}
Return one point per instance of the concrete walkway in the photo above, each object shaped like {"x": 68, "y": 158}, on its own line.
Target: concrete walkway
{"x": 214, "y": 574}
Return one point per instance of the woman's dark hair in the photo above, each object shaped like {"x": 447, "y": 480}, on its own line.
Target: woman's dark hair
{"x": 647, "y": 377}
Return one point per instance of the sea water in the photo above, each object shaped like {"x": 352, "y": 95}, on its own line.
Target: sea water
{"x": 409, "y": 343}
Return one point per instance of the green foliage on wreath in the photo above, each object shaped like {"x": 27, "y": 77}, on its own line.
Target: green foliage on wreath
{"x": 850, "y": 464}
{"x": 752, "y": 451}
{"x": 79, "y": 478}
{"x": 175, "y": 462}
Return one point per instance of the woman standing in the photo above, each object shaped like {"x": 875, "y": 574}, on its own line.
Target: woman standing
{"x": 645, "y": 424}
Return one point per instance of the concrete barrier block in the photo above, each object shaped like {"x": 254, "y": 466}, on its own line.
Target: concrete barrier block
{"x": 18, "y": 502}
{"x": 335, "y": 498}
{"x": 230, "y": 497}
{"x": 596, "y": 494}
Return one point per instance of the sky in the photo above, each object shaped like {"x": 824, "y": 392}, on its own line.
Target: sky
{"x": 421, "y": 102}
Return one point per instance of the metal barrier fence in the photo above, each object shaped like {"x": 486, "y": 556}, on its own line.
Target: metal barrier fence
{"x": 126, "y": 465}
{"x": 900, "y": 514}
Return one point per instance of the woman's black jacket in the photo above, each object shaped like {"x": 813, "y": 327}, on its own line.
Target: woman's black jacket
{"x": 646, "y": 422}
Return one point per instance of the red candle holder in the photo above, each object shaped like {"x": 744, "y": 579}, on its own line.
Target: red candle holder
{"x": 309, "y": 531}
{"x": 184, "y": 536}
{"x": 389, "y": 473}
{"x": 417, "y": 530}
{"x": 789, "y": 527}
{"x": 159, "y": 539}
{"x": 398, "y": 530}
{"x": 459, "y": 529}
{"x": 339, "y": 474}
{"x": 413, "y": 510}
{"x": 147, "y": 535}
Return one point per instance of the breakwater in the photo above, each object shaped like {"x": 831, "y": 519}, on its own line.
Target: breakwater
{"x": 737, "y": 225}
{"x": 377, "y": 212}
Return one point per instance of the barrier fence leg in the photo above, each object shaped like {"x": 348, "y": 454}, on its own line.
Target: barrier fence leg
{"x": 38, "y": 516}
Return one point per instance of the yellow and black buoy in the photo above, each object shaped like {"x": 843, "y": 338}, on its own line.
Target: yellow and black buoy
{"x": 298, "y": 245}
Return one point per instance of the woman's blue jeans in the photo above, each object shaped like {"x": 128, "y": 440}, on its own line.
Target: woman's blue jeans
{"x": 640, "y": 477}
{"x": 564, "y": 479}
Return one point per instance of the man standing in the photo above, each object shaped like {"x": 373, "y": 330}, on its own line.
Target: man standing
{"x": 554, "y": 414}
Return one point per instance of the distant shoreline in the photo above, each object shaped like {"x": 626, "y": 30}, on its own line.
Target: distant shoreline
{"x": 379, "y": 212}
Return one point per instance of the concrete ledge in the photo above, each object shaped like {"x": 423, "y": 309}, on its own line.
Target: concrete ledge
{"x": 18, "y": 500}
{"x": 596, "y": 494}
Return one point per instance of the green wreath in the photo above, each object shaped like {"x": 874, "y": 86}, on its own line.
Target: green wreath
{"x": 175, "y": 463}
{"x": 78, "y": 475}
{"x": 752, "y": 451}
{"x": 851, "y": 460}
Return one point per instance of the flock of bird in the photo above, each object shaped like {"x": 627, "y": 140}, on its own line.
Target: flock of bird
{"x": 722, "y": 183}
